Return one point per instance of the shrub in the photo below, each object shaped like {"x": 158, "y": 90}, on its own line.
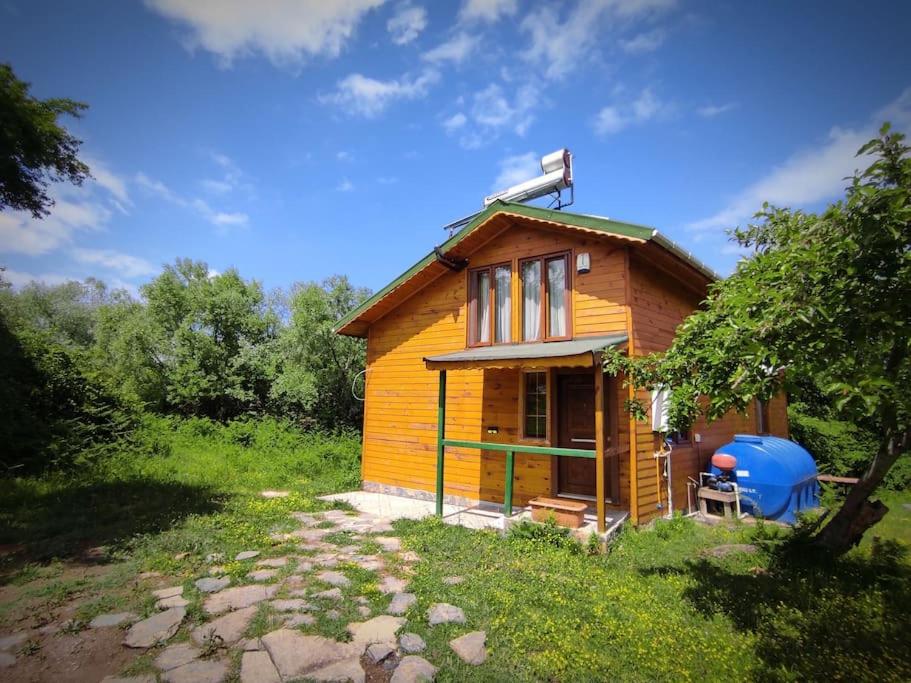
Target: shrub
{"x": 545, "y": 534}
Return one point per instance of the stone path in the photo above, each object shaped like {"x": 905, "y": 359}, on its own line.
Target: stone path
{"x": 288, "y": 600}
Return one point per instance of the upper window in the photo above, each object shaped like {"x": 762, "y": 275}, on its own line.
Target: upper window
{"x": 489, "y": 307}
{"x": 545, "y": 298}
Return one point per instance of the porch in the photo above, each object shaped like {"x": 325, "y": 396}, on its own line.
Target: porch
{"x": 481, "y": 515}
{"x": 574, "y": 412}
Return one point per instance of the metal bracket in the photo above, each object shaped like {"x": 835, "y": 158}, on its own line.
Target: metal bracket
{"x": 452, "y": 264}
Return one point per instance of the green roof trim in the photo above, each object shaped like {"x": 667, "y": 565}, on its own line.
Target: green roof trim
{"x": 605, "y": 225}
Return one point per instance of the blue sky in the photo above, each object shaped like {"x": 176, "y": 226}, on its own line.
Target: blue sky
{"x": 297, "y": 139}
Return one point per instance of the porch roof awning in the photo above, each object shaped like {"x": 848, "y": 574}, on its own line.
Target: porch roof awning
{"x": 575, "y": 353}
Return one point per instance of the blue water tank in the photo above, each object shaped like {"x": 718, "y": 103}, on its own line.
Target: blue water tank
{"x": 776, "y": 477}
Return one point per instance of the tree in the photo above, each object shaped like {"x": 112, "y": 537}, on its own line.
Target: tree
{"x": 825, "y": 297}
{"x": 34, "y": 148}
{"x": 315, "y": 367}
{"x": 208, "y": 332}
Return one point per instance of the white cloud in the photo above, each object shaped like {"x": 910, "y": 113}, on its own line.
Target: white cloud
{"x": 454, "y": 122}
{"x": 407, "y": 23}
{"x": 387, "y": 180}
{"x": 454, "y": 50}
{"x": 343, "y": 155}
{"x": 217, "y": 186}
{"x": 285, "y": 31}
{"x": 812, "y": 175}
{"x": 360, "y": 95}
{"x": 233, "y": 178}
{"x": 220, "y": 219}
{"x": 487, "y": 10}
{"x": 517, "y": 169}
{"x": 615, "y": 118}
{"x": 493, "y": 110}
{"x": 710, "y": 111}
{"x": 127, "y": 265}
{"x": 558, "y": 46}
{"x": 492, "y": 113}
{"x": 345, "y": 186}
{"x": 223, "y": 219}
{"x": 644, "y": 42}
{"x": 110, "y": 181}
{"x": 76, "y": 209}
{"x": 18, "y": 278}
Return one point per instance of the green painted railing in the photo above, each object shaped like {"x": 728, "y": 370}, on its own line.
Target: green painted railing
{"x": 510, "y": 449}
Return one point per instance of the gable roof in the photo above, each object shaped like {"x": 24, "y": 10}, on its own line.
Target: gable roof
{"x": 499, "y": 215}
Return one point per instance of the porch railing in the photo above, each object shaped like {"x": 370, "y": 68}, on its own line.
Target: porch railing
{"x": 510, "y": 449}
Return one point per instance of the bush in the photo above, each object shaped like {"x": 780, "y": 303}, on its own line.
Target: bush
{"x": 54, "y": 415}
{"x": 545, "y": 534}
{"x": 842, "y": 448}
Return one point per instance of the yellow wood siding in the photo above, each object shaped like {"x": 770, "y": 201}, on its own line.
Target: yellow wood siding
{"x": 658, "y": 306}
{"x": 400, "y": 412}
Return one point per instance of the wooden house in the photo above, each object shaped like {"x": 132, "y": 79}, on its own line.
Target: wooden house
{"x": 484, "y": 378}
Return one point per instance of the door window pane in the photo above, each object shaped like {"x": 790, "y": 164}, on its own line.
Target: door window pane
{"x": 536, "y": 405}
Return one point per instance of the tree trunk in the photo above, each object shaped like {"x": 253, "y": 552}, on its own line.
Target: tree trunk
{"x": 858, "y": 514}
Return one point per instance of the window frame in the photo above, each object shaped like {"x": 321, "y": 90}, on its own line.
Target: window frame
{"x": 545, "y": 298}
{"x": 682, "y": 438}
{"x": 472, "y": 327}
{"x": 763, "y": 417}
{"x": 548, "y": 406}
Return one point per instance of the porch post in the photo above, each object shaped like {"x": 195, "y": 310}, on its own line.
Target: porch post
{"x": 507, "y": 494}
{"x": 441, "y": 434}
{"x": 599, "y": 443}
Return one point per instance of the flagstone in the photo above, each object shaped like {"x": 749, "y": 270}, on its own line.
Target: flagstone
{"x": 413, "y": 669}
{"x": 290, "y": 605}
{"x": 391, "y": 584}
{"x": 173, "y": 601}
{"x": 172, "y": 591}
{"x": 257, "y": 667}
{"x": 176, "y": 655}
{"x": 262, "y": 574}
{"x": 401, "y": 602}
{"x": 212, "y": 585}
{"x": 156, "y": 629}
{"x": 412, "y": 642}
{"x": 228, "y": 628}
{"x": 198, "y": 671}
{"x": 246, "y": 555}
{"x": 345, "y": 670}
{"x": 471, "y": 647}
{"x": 331, "y": 594}
{"x": 334, "y": 579}
{"x": 381, "y": 629}
{"x": 296, "y": 655}
{"x": 112, "y": 619}
{"x": 444, "y": 613}
{"x": 388, "y": 543}
{"x": 238, "y": 598}
{"x": 13, "y": 640}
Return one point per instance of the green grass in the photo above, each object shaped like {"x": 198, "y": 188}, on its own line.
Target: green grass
{"x": 656, "y": 608}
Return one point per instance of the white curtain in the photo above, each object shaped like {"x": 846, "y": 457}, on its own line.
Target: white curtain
{"x": 556, "y": 297}
{"x": 503, "y": 321}
{"x": 531, "y": 300}
{"x": 484, "y": 307}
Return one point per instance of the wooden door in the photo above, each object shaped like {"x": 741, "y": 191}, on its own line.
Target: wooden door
{"x": 576, "y": 429}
